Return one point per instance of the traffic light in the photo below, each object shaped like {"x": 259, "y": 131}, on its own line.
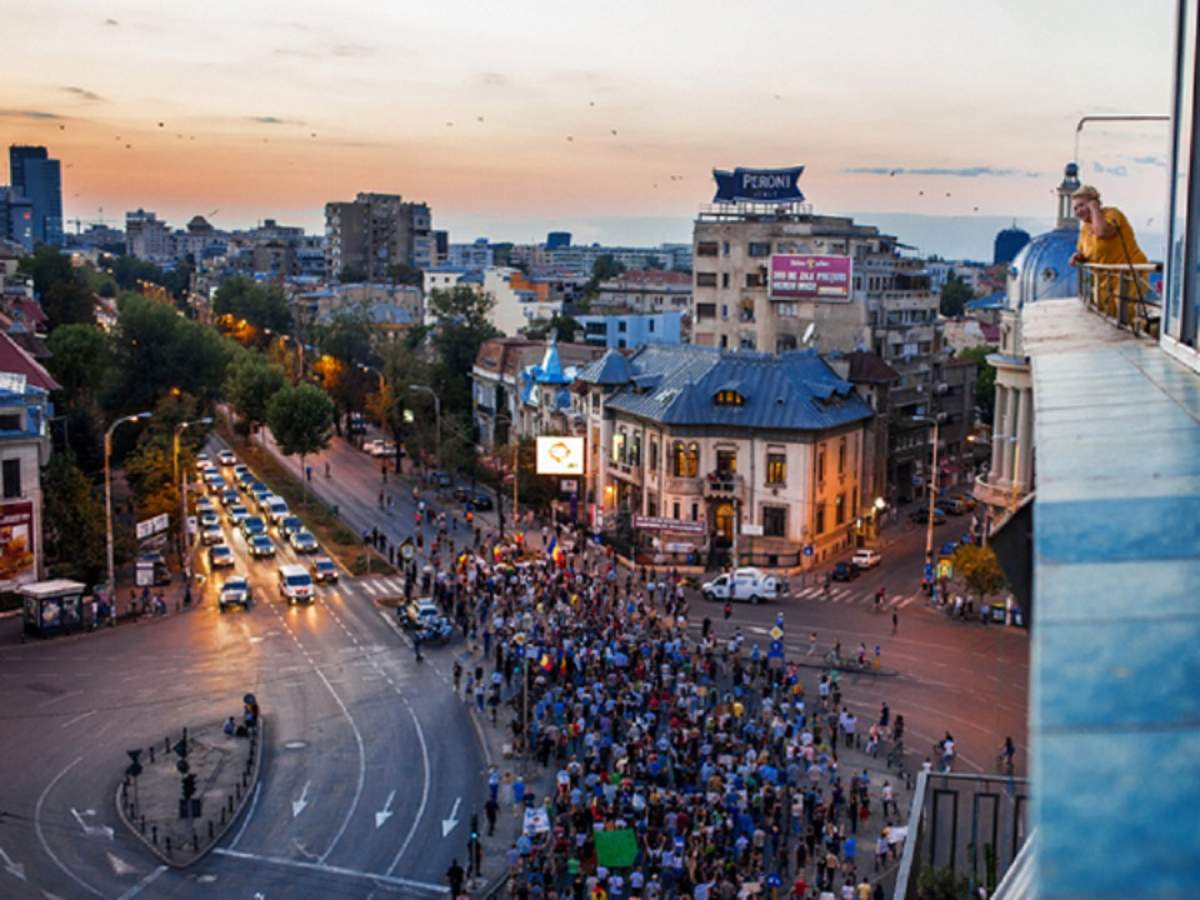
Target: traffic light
{"x": 189, "y": 786}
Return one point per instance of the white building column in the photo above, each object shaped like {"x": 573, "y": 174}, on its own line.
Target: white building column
{"x": 998, "y": 432}
{"x": 1010, "y": 449}
{"x": 1025, "y": 440}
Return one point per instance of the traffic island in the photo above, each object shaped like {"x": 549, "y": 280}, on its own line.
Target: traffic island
{"x": 180, "y": 795}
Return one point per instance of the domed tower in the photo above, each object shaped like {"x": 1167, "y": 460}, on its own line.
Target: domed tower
{"x": 1041, "y": 271}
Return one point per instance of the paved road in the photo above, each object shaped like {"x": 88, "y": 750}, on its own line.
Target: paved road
{"x": 352, "y": 718}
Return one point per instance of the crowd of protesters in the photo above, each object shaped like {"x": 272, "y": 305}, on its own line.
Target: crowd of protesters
{"x": 708, "y": 750}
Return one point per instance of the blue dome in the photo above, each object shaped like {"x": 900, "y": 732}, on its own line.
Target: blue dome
{"x": 1041, "y": 270}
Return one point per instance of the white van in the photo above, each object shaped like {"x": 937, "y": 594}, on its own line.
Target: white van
{"x": 296, "y": 585}
{"x": 750, "y": 584}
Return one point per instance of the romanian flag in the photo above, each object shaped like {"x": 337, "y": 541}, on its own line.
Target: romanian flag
{"x": 546, "y": 663}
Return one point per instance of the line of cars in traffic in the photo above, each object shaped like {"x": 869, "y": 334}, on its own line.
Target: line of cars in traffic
{"x": 254, "y": 515}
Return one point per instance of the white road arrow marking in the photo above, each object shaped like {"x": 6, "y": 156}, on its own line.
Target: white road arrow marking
{"x": 119, "y": 866}
{"x": 448, "y": 824}
{"x": 13, "y": 868}
{"x": 91, "y": 830}
{"x": 386, "y": 813}
{"x": 298, "y": 805}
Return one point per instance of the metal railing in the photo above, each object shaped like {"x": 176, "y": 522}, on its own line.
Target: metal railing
{"x": 1122, "y": 293}
{"x": 972, "y": 825}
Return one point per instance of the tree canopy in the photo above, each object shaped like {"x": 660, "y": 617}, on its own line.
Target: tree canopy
{"x": 265, "y": 308}
{"x": 985, "y": 384}
{"x": 81, "y": 361}
{"x": 980, "y": 569}
{"x": 462, "y": 324}
{"x": 73, "y": 522}
{"x": 955, "y": 294}
{"x": 250, "y": 383}
{"x": 301, "y": 419}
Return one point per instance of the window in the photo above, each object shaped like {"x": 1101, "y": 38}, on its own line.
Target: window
{"x": 776, "y": 468}
{"x": 725, "y": 248}
{"x": 595, "y": 401}
{"x": 621, "y": 326}
{"x": 618, "y": 447}
{"x": 724, "y": 311}
{"x": 820, "y": 465}
{"x": 724, "y": 342}
{"x": 706, "y": 279}
{"x": 695, "y": 512}
{"x": 842, "y": 457}
{"x": 635, "y": 450}
{"x": 774, "y": 521}
{"x": 839, "y": 509}
{"x": 785, "y": 343}
{"x": 651, "y": 505}
{"x": 706, "y": 310}
{"x": 654, "y": 454}
{"x": 675, "y": 510}
{"x": 678, "y": 460}
{"x": 729, "y": 398}
{"x": 12, "y": 478}
{"x": 10, "y": 422}
{"x": 693, "y": 460}
{"x": 724, "y": 279}
{"x": 706, "y": 248}
{"x": 727, "y": 462}
{"x": 820, "y": 525}
{"x": 650, "y": 326}
{"x": 756, "y": 279}
{"x": 759, "y": 248}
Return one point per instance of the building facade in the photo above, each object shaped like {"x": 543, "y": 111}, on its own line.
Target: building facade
{"x": 520, "y": 302}
{"x": 368, "y": 235}
{"x": 147, "y": 237}
{"x": 38, "y": 178}
{"x": 749, "y": 454}
{"x": 646, "y": 291}
{"x": 16, "y": 218}
{"x": 618, "y": 331}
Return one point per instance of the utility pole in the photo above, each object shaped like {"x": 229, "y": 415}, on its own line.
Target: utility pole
{"x": 108, "y": 517}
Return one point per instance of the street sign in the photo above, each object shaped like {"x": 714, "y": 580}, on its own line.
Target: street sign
{"x": 777, "y": 633}
{"x": 776, "y": 650}
{"x": 929, "y": 571}
{"x": 808, "y": 549}
{"x": 752, "y": 530}
{"x": 145, "y": 574}
{"x": 945, "y": 568}
{"x": 408, "y": 552}
{"x": 153, "y": 526}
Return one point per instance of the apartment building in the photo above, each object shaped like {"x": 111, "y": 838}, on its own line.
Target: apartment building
{"x": 646, "y": 291}
{"x": 374, "y": 232}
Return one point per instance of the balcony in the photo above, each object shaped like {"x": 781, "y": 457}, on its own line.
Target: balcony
{"x": 1123, "y": 295}
{"x": 626, "y": 472}
{"x": 724, "y": 486}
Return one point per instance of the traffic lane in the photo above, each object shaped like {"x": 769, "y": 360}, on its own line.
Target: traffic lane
{"x": 137, "y": 674}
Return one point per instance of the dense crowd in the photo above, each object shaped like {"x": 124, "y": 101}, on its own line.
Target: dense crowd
{"x": 710, "y": 752}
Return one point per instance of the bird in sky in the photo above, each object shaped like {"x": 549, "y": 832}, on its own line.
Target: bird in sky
{"x": 614, "y": 131}
{"x": 569, "y": 138}
{"x": 160, "y": 125}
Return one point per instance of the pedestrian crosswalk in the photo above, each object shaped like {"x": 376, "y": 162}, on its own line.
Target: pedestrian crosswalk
{"x": 379, "y": 587}
{"x": 850, "y": 596}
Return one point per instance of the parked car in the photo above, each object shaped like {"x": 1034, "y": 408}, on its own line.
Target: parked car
{"x": 261, "y": 546}
{"x": 750, "y": 584}
{"x": 483, "y": 502}
{"x": 253, "y": 525}
{"x": 226, "y": 458}
{"x": 921, "y": 516}
{"x": 304, "y": 542}
{"x": 953, "y": 506}
{"x": 460, "y": 494}
{"x": 843, "y": 571}
{"x": 237, "y": 514}
{"x": 866, "y": 558}
{"x": 373, "y": 447}
{"x": 234, "y": 592}
{"x": 324, "y": 570}
{"x": 423, "y": 617}
{"x": 220, "y": 556}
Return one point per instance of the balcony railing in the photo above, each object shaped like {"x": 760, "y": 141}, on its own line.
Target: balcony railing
{"x": 1123, "y": 295}
{"x": 723, "y": 484}
{"x": 678, "y": 484}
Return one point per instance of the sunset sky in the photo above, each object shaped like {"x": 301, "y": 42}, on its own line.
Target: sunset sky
{"x": 509, "y": 117}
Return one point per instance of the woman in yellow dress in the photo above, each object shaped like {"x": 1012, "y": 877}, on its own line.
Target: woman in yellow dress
{"x": 1106, "y": 237}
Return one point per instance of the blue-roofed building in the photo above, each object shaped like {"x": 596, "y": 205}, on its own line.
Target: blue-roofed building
{"x": 755, "y": 453}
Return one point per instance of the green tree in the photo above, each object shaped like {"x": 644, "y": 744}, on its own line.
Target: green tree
{"x": 401, "y": 273}
{"x": 47, "y": 266}
{"x": 955, "y": 294}
{"x": 462, "y": 324}
{"x": 980, "y": 570}
{"x": 301, "y": 419}
{"x": 81, "y": 361}
{"x": 348, "y": 337}
{"x": 159, "y": 352}
{"x": 129, "y": 270}
{"x": 985, "y": 384}
{"x": 73, "y": 522}
{"x": 400, "y": 368}
{"x": 265, "y": 308}
{"x": 604, "y": 268}
{"x": 562, "y": 328}
{"x": 250, "y": 384}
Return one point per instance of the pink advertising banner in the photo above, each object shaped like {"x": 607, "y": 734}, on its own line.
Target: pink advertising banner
{"x": 803, "y": 277}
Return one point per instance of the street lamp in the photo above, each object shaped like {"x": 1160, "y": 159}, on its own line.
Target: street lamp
{"x": 935, "y": 421}
{"x": 437, "y": 411}
{"x": 136, "y": 417}
{"x": 182, "y": 485}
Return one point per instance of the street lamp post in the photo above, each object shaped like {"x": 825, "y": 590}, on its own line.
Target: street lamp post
{"x": 182, "y": 485}
{"x": 108, "y": 517}
{"x": 933, "y": 480}
{"x": 437, "y": 412}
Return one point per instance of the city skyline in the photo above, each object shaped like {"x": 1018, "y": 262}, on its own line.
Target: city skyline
{"x": 534, "y": 101}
